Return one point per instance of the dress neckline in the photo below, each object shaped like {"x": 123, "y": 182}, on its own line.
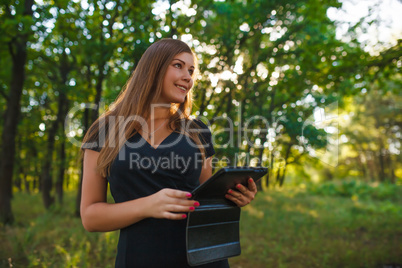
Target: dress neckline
{"x": 157, "y": 145}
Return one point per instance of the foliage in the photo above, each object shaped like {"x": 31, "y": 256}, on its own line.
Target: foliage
{"x": 358, "y": 190}
{"x": 371, "y": 121}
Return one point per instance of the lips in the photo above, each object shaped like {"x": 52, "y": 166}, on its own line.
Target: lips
{"x": 181, "y": 87}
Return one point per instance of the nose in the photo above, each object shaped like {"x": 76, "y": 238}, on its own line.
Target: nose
{"x": 186, "y": 77}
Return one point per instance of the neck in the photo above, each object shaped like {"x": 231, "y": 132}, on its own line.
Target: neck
{"x": 159, "y": 111}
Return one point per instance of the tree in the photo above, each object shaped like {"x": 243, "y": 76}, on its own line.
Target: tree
{"x": 116, "y": 33}
{"x": 373, "y": 132}
{"x": 15, "y": 32}
{"x": 273, "y": 59}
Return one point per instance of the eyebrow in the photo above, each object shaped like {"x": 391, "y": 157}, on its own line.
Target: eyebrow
{"x": 184, "y": 62}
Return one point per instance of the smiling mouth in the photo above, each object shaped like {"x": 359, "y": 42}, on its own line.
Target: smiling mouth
{"x": 181, "y": 88}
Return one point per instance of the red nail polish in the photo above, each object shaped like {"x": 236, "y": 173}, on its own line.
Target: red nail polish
{"x": 188, "y": 195}
{"x": 238, "y": 186}
{"x": 230, "y": 191}
{"x": 250, "y": 180}
{"x": 184, "y": 216}
{"x": 196, "y": 204}
{"x": 192, "y": 208}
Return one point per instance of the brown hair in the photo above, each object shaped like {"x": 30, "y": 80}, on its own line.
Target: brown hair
{"x": 134, "y": 103}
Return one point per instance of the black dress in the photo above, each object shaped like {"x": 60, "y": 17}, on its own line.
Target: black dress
{"x": 141, "y": 170}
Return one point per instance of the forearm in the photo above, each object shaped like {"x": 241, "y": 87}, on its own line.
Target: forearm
{"x": 104, "y": 217}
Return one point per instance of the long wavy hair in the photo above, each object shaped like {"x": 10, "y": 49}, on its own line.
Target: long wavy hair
{"x": 133, "y": 105}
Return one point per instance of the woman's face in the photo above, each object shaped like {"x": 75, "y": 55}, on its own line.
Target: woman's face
{"x": 178, "y": 79}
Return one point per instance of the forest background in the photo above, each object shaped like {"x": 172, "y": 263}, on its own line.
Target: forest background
{"x": 277, "y": 83}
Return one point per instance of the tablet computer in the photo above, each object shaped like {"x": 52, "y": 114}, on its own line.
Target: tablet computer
{"x": 212, "y": 231}
{"x": 227, "y": 178}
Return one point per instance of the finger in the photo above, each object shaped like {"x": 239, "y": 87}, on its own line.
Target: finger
{"x": 245, "y": 192}
{"x": 183, "y": 202}
{"x": 179, "y": 208}
{"x": 178, "y": 194}
{"x": 175, "y": 216}
{"x": 237, "y": 201}
{"x": 239, "y": 198}
{"x": 252, "y": 186}
{"x": 235, "y": 194}
{"x": 241, "y": 188}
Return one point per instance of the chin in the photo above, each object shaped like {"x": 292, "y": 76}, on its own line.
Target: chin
{"x": 179, "y": 100}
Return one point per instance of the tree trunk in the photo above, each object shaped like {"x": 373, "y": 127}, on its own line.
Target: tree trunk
{"x": 47, "y": 182}
{"x": 46, "y": 177}
{"x": 78, "y": 198}
{"x": 281, "y": 178}
{"x": 98, "y": 87}
{"x": 203, "y": 105}
{"x": 18, "y": 51}
{"x": 381, "y": 170}
{"x": 370, "y": 163}
{"x": 260, "y": 156}
{"x": 27, "y": 184}
{"x": 64, "y": 68}
{"x": 62, "y": 168}
{"x": 36, "y": 167}
{"x": 270, "y": 177}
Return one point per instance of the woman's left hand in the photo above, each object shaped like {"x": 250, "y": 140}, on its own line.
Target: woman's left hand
{"x": 242, "y": 195}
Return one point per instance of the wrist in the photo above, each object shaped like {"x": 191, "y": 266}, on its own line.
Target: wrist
{"x": 145, "y": 206}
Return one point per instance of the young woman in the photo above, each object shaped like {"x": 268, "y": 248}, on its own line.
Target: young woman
{"x": 153, "y": 155}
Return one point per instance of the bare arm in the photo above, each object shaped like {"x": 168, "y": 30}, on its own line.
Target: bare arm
{"x": 206, "y": 170}
{"x": 98, "y": 215}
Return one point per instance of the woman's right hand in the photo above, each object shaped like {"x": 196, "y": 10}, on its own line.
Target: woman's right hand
{"x": 171, "y": 204}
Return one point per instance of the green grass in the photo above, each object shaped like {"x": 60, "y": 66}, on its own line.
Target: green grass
{"x": 54, "y": 238}
{"x": 281, "y": 228}
{"x": 293, "y": 228}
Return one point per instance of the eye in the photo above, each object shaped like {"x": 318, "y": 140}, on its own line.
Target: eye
{"x": 191, "y": 72}
{"x": 177, "y": 65}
